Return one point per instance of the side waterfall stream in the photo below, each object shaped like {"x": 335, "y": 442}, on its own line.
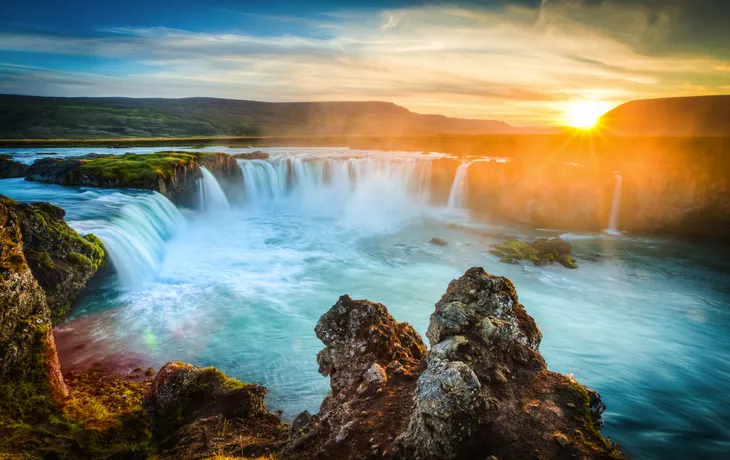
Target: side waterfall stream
{"x": 240, "y": 281}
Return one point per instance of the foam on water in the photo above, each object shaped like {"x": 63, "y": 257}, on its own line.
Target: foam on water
{"x": 645, "y": 322}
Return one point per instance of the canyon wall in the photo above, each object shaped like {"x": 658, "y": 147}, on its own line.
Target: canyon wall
{"x": 672, "y": 199}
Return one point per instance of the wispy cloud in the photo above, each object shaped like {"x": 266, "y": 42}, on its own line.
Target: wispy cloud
{"x": 517, "y": 64}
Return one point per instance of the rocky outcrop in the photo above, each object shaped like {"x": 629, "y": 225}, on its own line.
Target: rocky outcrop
{"x": 198, "y": 413}
{"x": 10, "y": 168}
{"x": 173, "y": 174}
{"x": 61, "y": 260}
{"x": 373, "y": 362}
{"x": 482, "y": 390}
{"x": 43, "y": 264}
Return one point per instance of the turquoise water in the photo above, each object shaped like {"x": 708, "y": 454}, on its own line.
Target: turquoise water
{"x": 646, "y": 322}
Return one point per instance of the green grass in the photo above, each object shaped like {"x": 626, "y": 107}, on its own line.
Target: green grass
{"x": 137, "y": 169}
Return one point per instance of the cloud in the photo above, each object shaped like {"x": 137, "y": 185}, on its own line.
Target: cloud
{"x": 519, "y": 64}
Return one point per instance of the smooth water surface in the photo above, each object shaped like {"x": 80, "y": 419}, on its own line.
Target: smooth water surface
{"x": 644, "y": 321}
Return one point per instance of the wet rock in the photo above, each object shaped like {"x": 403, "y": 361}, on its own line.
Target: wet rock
{"x": 10, "y": 168}
{"x": 438, "y": 242}
{"x": 541, "y": 251}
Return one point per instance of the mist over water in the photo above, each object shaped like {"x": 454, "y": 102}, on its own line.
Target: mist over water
{"x": 240, "y": 286}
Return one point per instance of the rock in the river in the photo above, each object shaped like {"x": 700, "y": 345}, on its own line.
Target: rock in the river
{"x": 10, "y": 168}
{"x": 257, "y": 155}
{"x": 540, "y": 251}
{"x": 198, "y": 413}
{"x": 438, "y": 241}
{"x": 483, "y": 391}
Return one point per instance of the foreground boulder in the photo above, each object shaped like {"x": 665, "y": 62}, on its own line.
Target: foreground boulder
{"x": 197, "y": 413}
{"x": 482, "y": 390}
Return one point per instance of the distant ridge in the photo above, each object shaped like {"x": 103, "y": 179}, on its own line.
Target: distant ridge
{"x": 34, "y": 117}
{"x": 678, "y": 116}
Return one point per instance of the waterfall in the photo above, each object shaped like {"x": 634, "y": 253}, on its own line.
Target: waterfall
{"x": 338, "y": 181}
{"x": 459, "y": 192}
{"x": 211, "y": 194}
{"x": 262, "y": 181}
{"x": 135, "y": 237}
{"x": 613, "y": 222}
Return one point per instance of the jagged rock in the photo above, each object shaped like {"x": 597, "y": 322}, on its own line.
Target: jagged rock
{"x": 373, "y": 362}
{"x": 483, "y": 391}
{"x": 358, "y": 334}
{"x": 257, "y": 155}
{"x": 10, "y": 168}
{"x": 186, "y": 403}
{"x": 494, "y": 388}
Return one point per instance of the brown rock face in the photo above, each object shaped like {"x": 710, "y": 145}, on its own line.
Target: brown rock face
{"x": 483, "y": 389}
{"x": 188, "y": 406}
{"x": 358, "y": 334}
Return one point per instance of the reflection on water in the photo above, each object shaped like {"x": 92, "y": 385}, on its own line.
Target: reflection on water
{"x": 644, "y": 321}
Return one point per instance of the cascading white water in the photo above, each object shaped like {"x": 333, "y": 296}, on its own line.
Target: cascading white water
{"x": 458, "y": 195}
{"x": 613, "y": 222}
{"x": 331, "y": 182}
{"x": 211, "y": 194}
{"x": 135, "y": 238}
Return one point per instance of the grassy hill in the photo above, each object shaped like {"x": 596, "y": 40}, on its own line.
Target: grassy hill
{"x": 31, "y": 117}
{"x": 679, "y": 116}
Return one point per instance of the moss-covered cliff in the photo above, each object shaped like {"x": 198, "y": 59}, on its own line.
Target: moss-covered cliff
{"x": 43, "y": 265}
{"x": 172, "y": 173}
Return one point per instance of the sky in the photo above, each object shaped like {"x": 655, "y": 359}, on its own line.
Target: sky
{"x": 525, "y": 62}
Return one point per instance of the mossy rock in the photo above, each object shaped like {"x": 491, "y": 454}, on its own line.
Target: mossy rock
{"x": 137, "y": 169}
{"x": 541, "y": 251}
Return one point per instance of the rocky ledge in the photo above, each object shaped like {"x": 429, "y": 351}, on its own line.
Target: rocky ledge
{"x": 173, "y": 174}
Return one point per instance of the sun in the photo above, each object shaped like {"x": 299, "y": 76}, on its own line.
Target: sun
{"x": 585, "y": 114}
